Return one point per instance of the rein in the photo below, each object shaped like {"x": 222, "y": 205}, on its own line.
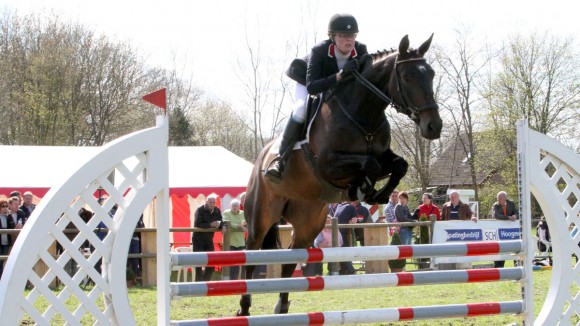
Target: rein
{"x": 414, "y": 111}
{"x": 369, "y": 136}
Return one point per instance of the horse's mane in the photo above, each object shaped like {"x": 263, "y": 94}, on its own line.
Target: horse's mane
{"x": 382, "y": 54}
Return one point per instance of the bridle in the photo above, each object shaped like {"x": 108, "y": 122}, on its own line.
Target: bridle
{"x": 406, "y": 107}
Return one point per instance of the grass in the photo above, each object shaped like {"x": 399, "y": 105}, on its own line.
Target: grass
{"x": 143, "y": 302}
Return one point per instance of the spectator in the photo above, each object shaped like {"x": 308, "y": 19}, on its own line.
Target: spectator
{"x": 328, "y": 63}
{"x": 27, "y": 205}
{"x": 332, "y": 209}
{"x": 16, "y": 193}
{"x": 6, "y": 222}
{"x": 390, "y": 207}
{"x": 389, "y": 210}
{"x": 543, "y": 234}
{"x": 207, "y": 216}
{"x": 402, "y": 214}
{"x": 346, "y": 214}
{"x": 428, "y": 208}
{"x": 363, "y": 216}
{"x": 324, "y": 240}
{"x": 242, "y": 200}
{"x": 455, "y": 209}
{"x": 100, "y": 233}
{"x": 135, "y": 248}
{"x": 18, "y": 215}
{"x": 71, "y": 266}
{"x": 237, "y": 228}
{"x": 504, "y": 209}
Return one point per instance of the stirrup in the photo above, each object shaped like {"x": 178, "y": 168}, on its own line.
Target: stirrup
{"x": 275, "y": 170}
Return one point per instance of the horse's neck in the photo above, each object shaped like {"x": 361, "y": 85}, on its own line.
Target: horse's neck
{"x": 361, "y": 102}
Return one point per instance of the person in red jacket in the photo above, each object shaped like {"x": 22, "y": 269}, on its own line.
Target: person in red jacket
{"x": 428, "y": 208}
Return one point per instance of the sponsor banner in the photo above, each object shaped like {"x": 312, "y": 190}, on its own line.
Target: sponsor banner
{"x": 468, "y": 231}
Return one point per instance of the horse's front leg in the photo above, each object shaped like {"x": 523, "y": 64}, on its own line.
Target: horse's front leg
{"x": 394, "y": 165}
{"x": 355, "y": 168}
{"x": 345, "y": 165}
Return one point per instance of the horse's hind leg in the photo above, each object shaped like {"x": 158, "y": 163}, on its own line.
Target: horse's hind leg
{"x": 283, "y": 304}
{"x": 246, "y": 299}
{"x": 311, "y": 218}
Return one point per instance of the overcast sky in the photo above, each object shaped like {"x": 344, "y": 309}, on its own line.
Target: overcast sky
{"x": 207, "y": 36}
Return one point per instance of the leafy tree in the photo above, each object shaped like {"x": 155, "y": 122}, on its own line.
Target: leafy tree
{"x": 461, "y": 67}
{"x": 180, "y": 128}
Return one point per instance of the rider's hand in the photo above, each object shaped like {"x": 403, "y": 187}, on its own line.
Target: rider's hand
{"x": 349, "y": 67}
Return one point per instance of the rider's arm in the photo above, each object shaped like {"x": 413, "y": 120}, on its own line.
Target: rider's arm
{"x": 316, "y": 81}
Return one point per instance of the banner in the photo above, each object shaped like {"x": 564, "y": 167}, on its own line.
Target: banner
{"x": 468, "y": 231}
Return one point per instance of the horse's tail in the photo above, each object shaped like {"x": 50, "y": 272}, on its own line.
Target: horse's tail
{"x": 272, "y": 238}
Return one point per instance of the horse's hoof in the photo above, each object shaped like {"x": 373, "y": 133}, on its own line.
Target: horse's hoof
{"x": 282, "y": 308}
{"x": 240, "y": 314}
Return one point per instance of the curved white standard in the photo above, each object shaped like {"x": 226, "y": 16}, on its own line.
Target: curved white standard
{"x": 551, "y": 171}
{"x": 132, "y": 171}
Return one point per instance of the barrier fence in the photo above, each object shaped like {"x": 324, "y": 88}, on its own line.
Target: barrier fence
{"x": 352, "y": 317}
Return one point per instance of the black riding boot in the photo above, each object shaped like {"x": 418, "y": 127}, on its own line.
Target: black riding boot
{"x": 290, "y": 136}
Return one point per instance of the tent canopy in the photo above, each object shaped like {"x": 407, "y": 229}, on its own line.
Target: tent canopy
{"x": 193, "y": 170}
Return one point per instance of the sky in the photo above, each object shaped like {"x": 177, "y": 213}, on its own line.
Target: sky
{"x": 204, "y": 39}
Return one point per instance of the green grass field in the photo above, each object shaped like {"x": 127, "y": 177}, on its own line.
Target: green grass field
{"x": 143, "y": 301}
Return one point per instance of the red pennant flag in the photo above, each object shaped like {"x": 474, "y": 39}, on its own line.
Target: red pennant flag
{"x": 157, "y": 98}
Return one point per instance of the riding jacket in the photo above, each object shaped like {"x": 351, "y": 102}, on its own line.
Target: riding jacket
{"x": 322, "y": 66}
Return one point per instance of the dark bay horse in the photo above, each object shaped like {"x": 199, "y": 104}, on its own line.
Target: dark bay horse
{"x": 350, "y": 151}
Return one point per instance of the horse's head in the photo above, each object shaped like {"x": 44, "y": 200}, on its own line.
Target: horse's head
{"x": 411, "y": 84}
{"x": 405, "y": 80}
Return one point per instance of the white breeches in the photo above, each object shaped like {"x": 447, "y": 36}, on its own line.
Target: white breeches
{"x": 300, "y": 102}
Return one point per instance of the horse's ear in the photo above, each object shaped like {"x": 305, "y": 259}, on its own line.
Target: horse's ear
{"x": 404, "y": 44}
{"x": 425, "y": 46}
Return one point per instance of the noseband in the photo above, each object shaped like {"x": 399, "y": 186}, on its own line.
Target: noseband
{"x": 406, "y": 107}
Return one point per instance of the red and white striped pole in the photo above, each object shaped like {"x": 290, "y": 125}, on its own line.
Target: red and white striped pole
{"x": 325, "y": 283}
{"x": 315, "y": 255}
{"x": 351, "y": 317}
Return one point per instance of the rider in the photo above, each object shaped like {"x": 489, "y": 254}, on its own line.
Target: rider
{"x": 329, "y": 62}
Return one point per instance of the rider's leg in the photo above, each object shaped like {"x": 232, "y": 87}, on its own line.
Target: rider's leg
{"x": 291, "y": 133}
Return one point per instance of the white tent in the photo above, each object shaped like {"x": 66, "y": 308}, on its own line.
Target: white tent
{"x": 192, "y": 170}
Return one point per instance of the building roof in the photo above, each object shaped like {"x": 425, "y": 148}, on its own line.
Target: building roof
{"x": 452, "y": 167}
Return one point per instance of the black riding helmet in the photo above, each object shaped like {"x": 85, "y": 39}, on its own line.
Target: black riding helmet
{"x": 342, "y": 23}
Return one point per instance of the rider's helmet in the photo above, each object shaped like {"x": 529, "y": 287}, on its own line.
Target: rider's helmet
{"x": 342, "y": 23}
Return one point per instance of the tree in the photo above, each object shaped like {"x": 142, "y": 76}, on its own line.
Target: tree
{"x": 539, "y": 80}
{"x": 180, "y": 128}
{"x": 461, "y": 68}
{"x": 217, "y": 124}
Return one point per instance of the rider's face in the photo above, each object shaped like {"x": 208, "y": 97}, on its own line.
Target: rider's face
{"x": 345, "y": 42}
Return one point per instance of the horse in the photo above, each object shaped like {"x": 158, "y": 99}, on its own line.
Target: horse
{"x": 347, "y": 153}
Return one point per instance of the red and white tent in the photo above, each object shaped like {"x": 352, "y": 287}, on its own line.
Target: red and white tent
{"x": 194, "y": 173}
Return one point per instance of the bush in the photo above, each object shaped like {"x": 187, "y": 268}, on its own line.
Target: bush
{"x": 129, "y": 274}
{"x": 423, "y": 230}
{"x": 396, "y": 263}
